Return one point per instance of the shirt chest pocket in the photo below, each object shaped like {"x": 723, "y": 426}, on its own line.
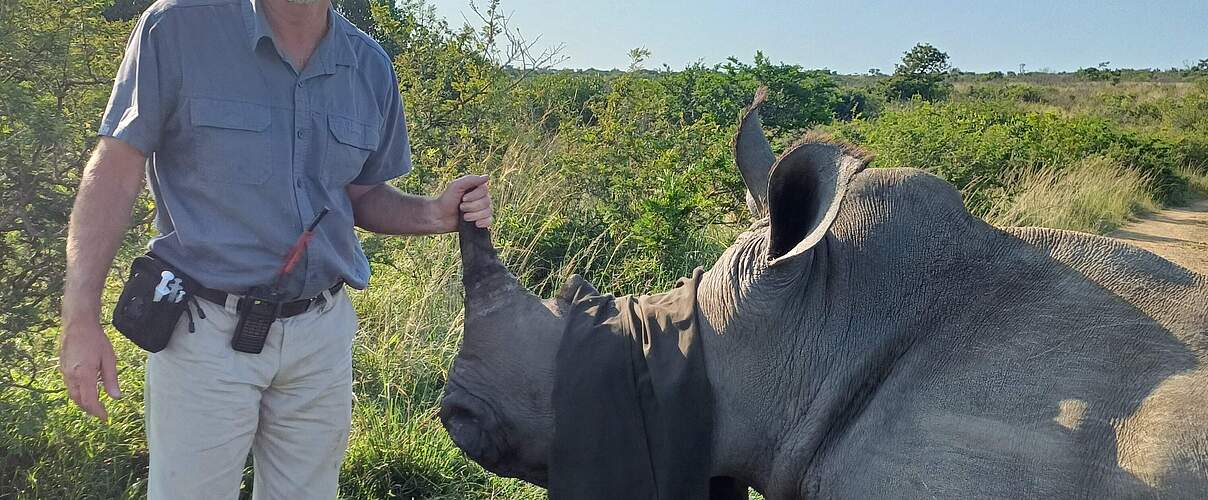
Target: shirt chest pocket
{"x": 349, "y": 144}
{"x": 230, "y": 140}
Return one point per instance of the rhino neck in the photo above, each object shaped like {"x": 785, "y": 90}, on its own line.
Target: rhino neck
{"x": 796, "y": 359}
{"x": 759, "y": 328}
{"x": 789, "y": 374}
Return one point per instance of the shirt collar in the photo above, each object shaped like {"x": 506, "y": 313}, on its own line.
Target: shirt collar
{"x": 334, "y": 49}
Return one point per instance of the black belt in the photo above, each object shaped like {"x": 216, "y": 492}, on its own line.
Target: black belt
{"x": 284, "y": 309}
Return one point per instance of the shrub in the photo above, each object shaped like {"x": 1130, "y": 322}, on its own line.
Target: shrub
{"x": 1190, "y": 113}
{"x": 973, "y": 143}
{"x": 797, "y": 99}
{"x": 857, "y": 103}
{"x": 1129, "y": 107}
{"x": 1101, "y": 74}
{"x": 562, "y": 99}
{"x": 1018, "y": 92}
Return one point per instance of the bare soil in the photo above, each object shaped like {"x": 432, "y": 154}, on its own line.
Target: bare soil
{"x": 1178, "y": 234}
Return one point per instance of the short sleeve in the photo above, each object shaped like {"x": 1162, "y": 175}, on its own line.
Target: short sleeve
{"x": 393, "y": 155}
{"x": 141, "y": 91}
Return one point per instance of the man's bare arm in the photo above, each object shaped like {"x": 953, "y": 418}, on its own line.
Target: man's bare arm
{"x": 382, "y": 208}
{"x": 99, "y": 220}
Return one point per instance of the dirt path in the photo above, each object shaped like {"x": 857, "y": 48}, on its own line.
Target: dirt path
{"x": 1178, "y": 234}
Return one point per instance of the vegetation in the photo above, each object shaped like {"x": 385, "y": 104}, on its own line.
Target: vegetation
{"x": 1074, "y": 198}
{"x": 625, "y": 176}
{"x": 922, "y": 73}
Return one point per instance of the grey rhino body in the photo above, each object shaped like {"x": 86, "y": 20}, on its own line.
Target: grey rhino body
{"x": 953, "y": 359}
{"x": 868, "y": 338}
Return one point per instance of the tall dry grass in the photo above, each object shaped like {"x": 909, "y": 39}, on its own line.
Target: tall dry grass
{"x": 1094, "y": 195}
{"x": 1196, "y": 177}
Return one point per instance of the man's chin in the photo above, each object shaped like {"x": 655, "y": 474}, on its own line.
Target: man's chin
{"x": 303, "y": 2}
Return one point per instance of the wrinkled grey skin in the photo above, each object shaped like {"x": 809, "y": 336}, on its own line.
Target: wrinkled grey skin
{"x": 868, "y": 338}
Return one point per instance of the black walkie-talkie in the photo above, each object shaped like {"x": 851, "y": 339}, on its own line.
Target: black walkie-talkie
{"x": 261, "y": 307}
{"x": 257, "y": 312}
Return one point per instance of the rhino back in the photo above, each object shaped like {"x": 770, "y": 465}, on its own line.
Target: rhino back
{"x": 1008, "y": 362}
{"x": 1163, "y": 441}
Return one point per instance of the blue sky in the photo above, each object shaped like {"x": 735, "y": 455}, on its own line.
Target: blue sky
{"x": 853, "y": 36}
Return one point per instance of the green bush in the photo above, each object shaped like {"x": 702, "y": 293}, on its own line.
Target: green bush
{"x": 1018, "y": 92}
{"x": 857, "y": 103}
{"x": 1101, "y": 74}
{"x": 557, "y": 100}
{"x": 1129, "y": 107}
{"x": 797, "y": 98}
{"x": 1190, "y": 113}
{"x": 973, "y": 143}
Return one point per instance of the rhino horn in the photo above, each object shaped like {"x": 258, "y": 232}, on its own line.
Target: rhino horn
{"x": 488, "y": 283}
{"x": 754, "y": 156}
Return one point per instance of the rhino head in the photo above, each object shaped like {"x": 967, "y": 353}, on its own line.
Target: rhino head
{"x": 497, "y": 406}
{"x": 497, "y": 403}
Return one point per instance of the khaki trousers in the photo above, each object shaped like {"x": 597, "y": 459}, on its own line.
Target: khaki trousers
{"x": 207, "y": 405}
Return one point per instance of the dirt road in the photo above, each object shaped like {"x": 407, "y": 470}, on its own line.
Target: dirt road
{"x": 1178, "y": 234}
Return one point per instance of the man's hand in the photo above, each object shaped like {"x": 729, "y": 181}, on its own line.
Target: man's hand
{"x": 85, "y": 352}
{"x": 465, "y": 198}
{"x": 384, "y": 209}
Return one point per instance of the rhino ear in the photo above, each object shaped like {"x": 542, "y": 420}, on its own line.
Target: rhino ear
{"x": 753, "y": 154}
{"x": 576, "y": 288}
{"x": 806, "y": 187}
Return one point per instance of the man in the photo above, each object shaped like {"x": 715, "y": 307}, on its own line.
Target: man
{"x": 250, "y": 117}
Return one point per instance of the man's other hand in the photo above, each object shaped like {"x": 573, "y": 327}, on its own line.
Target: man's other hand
{"x": 466, "y": 198}
{"x": 86, "y": 357}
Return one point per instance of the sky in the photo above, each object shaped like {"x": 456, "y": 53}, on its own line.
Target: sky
{"x": 854, "y": 36}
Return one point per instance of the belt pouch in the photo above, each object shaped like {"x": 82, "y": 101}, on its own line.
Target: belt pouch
{"x": 138, "y": 316}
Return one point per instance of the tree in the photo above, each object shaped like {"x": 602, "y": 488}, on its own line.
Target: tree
{"x": 456, "y": 82}
{"x": 57, "y": 60}
{"x": 922, "y": 72}
{"x": 361, "y": 14}
{"x": 637, "y": 56}
{"x": 922, "y": 60}
{"x": 125, "y": 10}
{"x": 798, "y": 99}
{"x": 1100, "y": 73}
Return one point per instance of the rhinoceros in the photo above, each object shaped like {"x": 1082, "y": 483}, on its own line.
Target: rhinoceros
{"x": 867, "y": 337}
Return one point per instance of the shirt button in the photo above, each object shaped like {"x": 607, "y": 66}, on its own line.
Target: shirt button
{"x": 298, "y": 183}
{"x": 299, "y": 84}
{"x": 301, "y": 133}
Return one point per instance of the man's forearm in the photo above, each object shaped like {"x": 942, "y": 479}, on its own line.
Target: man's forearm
{"x": 386, "y": 210}
{"x": 101, "y": 215}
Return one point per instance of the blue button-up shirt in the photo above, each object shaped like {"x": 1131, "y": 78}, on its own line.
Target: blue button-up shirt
{"x": 244, "y": 149}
